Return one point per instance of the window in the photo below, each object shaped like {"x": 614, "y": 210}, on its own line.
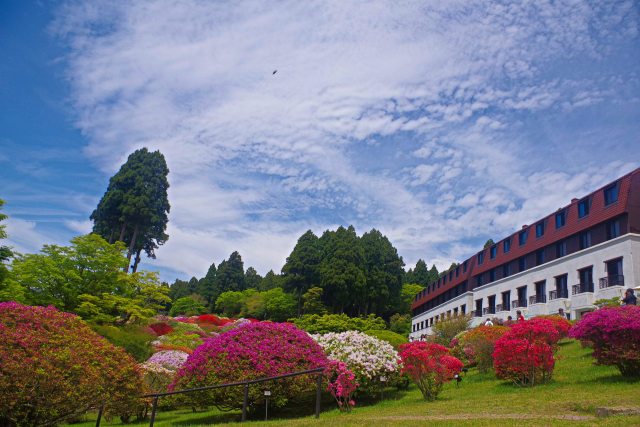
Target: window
{"x": 451, "y": 275}
{"x": 561, "y": 219}
{"x": 540, "y": 229}
{"x": 585, "y": 239}
{"x": 506, "y": 270}
{"x": 457, "y": 271}
{"x": 540, "y": 257}
{"x": 561, "y": 249}
{"x": 562, "y": 289}
{"x": 611, "y": 194}
{"x": 613, "y": 229}
{"x": 493, "y": 251}
{"x": 522, "y": 263}
{"x": 586, "y": 279}
{"x": 444, "y": 280}
{"x": 492, "y": 275}
{"x": 480, "y": 258}
{"x": 583, "y": 207}
{"x": 478, "y": 307}
{"x": 506, "y": 245}
{"x": 479, "y": 280}
{"x": 522, "y": 237}
{"x": 464, "y": 267}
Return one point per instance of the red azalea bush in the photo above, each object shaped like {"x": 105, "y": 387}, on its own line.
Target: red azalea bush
{"x": 161, "y": 328}
{"x": 252, "y": 351}
{"x": 614, "y": 335}
{"x": 429, "y": 365}
{"x": 561, "y": 324}
{"x": 53, "y": 367}
{"x": 478, "y": 345}
{"x": 525, "y": 354}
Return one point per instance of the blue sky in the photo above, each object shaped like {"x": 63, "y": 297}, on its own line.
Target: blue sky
{"x": 441, "y": 124}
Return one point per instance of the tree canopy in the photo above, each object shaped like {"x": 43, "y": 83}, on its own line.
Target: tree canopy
{"x": 135, "y": 207}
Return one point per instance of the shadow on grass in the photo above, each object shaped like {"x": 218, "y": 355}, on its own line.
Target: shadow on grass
{"x": 615, "y": 378}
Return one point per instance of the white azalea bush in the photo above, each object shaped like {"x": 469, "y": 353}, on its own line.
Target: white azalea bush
{"x": 373, "y": 361}
{"x": 159, "y": 370}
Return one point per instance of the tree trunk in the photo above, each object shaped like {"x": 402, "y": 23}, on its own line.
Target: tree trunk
{"x": 299, "y": 302}
{"x": 124, "y": 228}
{"x": 136, "y": 261}
{"x": 131, "y": 246}
{"x": 111, "y": 236}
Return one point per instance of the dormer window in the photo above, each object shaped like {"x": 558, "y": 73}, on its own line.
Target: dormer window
{"x": 480, "y": 258}
{"x": 507, "y": 245}
{"x": 540, "y": 229}
{"x": 522, "y": 237}
{"x": 611, "y": 194}
{"x": 493, "y": 251}
{"x": 584, "y": 206}
{"x": 561, "y": 219}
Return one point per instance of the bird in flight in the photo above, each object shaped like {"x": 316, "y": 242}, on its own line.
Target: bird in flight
{"x": 274, "y": 71}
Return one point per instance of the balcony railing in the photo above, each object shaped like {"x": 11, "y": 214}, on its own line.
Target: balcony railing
{"x": 562, "y": 293}
{"x": 503, "y": 307}
{"x": 615, "y": 280}
{"x": 518, "y": 303}
{"x": 537, "y": 299}
{"x": 489, "y": 310}
{"x": 582, "y": 288}
{"x": 476, "y": 313}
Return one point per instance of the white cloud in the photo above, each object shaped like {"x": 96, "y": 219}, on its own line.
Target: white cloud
{"x": 441, "y": 88}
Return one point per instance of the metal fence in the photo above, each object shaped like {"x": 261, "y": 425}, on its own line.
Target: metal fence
{"x": 246, "y": 385}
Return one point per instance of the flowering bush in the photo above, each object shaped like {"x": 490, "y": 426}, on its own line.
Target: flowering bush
{"x": 160, "y": 369}
{"x": 252, "y": 351}
{"x": 525, "y": 354}
{"x": 367, "y": 357}
{"x": 341, "y": 383}
{"x": 478, "y": 345}
{"x": 170, "y": 359}
{"x": 53, "y": 367}
{"x": 429, "y": 365}
{"x": 614, "y": 335}
{"x": 161, "y": 328}
{"x": 561, "y": 324}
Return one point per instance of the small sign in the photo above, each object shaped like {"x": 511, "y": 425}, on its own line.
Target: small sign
{"x": 267, "y": 393}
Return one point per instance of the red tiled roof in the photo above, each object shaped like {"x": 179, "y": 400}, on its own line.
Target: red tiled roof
{"x": 597, "y": 214}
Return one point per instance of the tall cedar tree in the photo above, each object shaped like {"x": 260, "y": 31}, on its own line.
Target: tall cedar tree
{"x": 5, "y": 252}
{"x": 300, "y": 272}
{"x": 135, "y": 207}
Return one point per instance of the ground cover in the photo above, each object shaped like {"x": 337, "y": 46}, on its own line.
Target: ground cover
{"x": 577, "y": 388}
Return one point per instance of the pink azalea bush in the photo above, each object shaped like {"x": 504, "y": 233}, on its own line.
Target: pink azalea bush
{"x": 251, "y": 351}
{"x": 526, "y": 353}
{"x": 341, "y": 383}
{"x": 614, "y": 335}
{"x": 367, "y": 357}
{"x": 429, "y": 365}
{"x": 53, "y": 367}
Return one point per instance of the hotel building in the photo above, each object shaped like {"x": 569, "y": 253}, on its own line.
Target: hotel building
{"x": 584, "y": 252}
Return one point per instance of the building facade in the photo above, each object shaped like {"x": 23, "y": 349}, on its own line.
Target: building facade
{"x": 584, "y": 252}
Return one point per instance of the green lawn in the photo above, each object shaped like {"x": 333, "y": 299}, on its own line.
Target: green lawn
{"x": 578, "y": 387}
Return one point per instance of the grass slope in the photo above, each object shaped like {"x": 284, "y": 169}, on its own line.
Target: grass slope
{"x": 578, "y": 387}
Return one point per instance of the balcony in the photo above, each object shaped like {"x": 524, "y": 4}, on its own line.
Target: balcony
{"x": 615, "y": 280}
{"x": 476, "y": 313}
{"x": 518, "y": 303}
{"x": 582, "y": 288}
{"x": 489, "y": 310}
{"x": 562, "y": 293}
{"x": 537, "y": 299}
{"x": 503, "y": 307}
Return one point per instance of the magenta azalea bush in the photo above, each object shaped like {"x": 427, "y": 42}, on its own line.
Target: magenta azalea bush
{"x": 614, "y": 335}
{"x": 53, "y": 367}
{"x": 251, "y": 351}
{"x": 342, "y": 384}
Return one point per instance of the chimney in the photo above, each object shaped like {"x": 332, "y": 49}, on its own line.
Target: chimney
{"x": 524, "y": 226}
{"x": 574, "y": 200}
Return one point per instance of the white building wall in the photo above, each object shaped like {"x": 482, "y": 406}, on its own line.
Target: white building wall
{"x": 626, "y": 246}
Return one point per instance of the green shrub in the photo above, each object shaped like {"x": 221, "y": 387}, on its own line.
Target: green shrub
{"x": 396, "y": 340}
{"x": 315, "y": 324}
{"x": 135, "y": 340}
{"x": 446, "y": 329}
{"x": 187, "y": 306}
{"x": 53, "y": 368}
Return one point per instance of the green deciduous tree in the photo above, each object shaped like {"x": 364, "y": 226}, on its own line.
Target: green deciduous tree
{"x": 408, "y": 293}
{"x": 6, "y": 293}
{"x": 86, "y": 278}
{"x": 135, "y": 207}
{"x": 230, "y": 303}
{"x": 312, "y": 302}
{"x": 188, "y": 306}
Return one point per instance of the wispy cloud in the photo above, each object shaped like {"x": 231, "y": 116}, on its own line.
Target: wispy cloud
{"x": 418, "y": 118}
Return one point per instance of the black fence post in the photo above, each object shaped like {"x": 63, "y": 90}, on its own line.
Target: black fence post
{"x": 153, "y": 411}
{"x": 318, "y": 395}
{"x": 244, "y": 404}
{"x": 99, "y": 416}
